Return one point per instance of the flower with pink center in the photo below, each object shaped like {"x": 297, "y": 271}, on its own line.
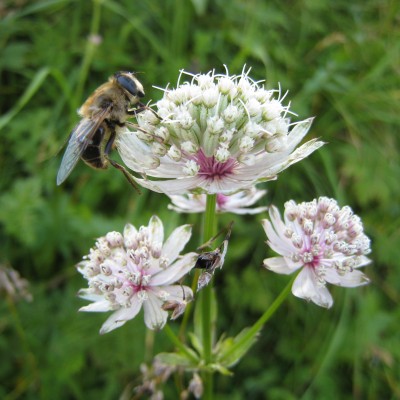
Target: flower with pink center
{"x": 238, "y": 203}
{"x": 323, "y": 240}
{"x": 214, "y": 134}
{"x": 212, "y": 169}
{"x": 128, "y": 271}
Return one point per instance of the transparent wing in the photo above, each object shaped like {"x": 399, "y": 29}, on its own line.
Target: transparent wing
{"x": 80, "y": 138}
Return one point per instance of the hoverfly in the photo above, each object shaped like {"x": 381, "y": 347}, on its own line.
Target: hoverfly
{"x": 103, "y": 114}
{"x": 211, "y": 260}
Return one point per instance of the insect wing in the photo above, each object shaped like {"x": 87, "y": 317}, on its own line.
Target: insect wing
{"x": 79, "y": 139}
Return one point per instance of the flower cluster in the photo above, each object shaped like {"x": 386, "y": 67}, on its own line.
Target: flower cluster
{"x": 326, "y": 241}
{"x": 134, "y": 269}
{"x": 237, "y": 203}
{"x": 214, "y": 134}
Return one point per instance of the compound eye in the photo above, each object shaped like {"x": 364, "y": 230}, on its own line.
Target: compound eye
{"x": 129, "y": 85}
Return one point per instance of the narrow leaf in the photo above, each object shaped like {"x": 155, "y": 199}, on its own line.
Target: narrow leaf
{"x": 177, "y": 359}
{"x": 233, "y": 349}
{"x": 24, "y": 99}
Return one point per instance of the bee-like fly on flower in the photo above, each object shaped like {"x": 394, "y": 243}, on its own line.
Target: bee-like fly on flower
{"x": 211, "y": 260}
{"x": 103, "y": 114}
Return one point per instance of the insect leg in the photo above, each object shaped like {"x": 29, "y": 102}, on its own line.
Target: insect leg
{"x": 142, "y": 107}
{"x": 128, "y": 176}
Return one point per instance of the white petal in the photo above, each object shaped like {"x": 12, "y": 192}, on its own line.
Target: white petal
{"x": 306, "y": 287}
{"x": 298, "y": 132}
{"x": 172, "y": 186}
{"x": 277, "y": 242}
{"x": 363, "y": 261}
{"x": 119, "y": 317}
{"x": 175, "y": 272}
{"x": 178, "y": 292}
{"x": 243, "y": 211}
{"x": 98, "y": 306}
{"x": 185, "y": 210}
{"x": 332, "y": 276}
{"x": 353, "y": 279}
{"x": 176, "y": 242}
{"x": 156, "y": 230}
{"x": 268, "y": 166}
{"x": 134, "y": 152}
{"x": 88, "y": 294}
{"x": 245, "y": 198}
{"x": 278, "y": 265}
{"x": 188, "y": 203}
{"x": 154, "y": 316}
{"x": 263, "y": 162}
{"x": 226, "y": 185}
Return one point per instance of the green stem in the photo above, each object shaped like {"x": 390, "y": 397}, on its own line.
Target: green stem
{"x": 262, "y": 320}
{"x": 178, "y": 343}
{"x": 148, "y": 346}
{"x": 188, "y": 310}
{"x": 209, "y": 227}
{"x": 209, "y": 230}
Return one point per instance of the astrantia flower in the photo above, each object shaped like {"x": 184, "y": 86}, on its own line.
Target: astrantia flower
{"x": 236, "y": 203}
{"x": 134, "y": 269}
{"x": 214, "y": 134}
{"x": 327, "y": 242}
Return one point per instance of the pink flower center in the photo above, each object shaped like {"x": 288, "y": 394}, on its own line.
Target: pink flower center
{"x": 138, "y": 281}
{"x": 213, "y": 169}
{"x": 315, "y": 262}
{"x": 311, "y": 260}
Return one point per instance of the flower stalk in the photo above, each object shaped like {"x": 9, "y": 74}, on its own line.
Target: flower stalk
{"x": 209, "y": 230}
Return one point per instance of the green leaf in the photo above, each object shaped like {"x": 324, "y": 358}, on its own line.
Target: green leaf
{"x": 34, "y": 86}
{"x": 233, "y": 349}
{"x": 220, "y": 368}
{"x": 178, "y": 359}
{"x": 196, "y": 343}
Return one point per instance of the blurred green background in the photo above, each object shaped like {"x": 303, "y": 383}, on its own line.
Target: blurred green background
{"x": 340, "y": 61}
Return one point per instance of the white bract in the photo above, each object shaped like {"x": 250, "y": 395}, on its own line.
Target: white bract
{"x": 214, "y": 134}
{"x": 323, "y": 240}
{"x": 128, "y": 271}
{"x": 237, "y": 203}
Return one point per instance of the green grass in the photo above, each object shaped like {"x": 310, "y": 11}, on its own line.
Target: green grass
{"x": 340, "y": 62}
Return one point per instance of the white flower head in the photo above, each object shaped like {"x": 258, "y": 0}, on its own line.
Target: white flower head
{"x": 220, "y": 134}
{"x": 323, "y": 240}
{"x": 238, "y": 203}
{"x": 136, "y": 269}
